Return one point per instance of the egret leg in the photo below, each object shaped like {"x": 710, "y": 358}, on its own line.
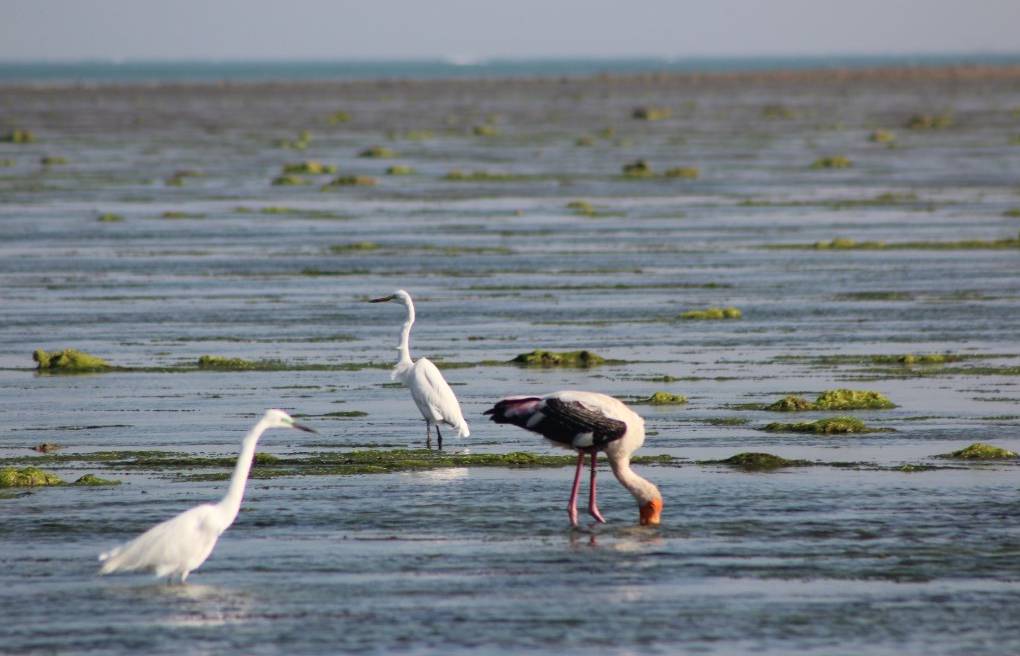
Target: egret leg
{"x": 593, "y": 507}
{"x": 439, "y": 438}
{"x": 428, "y": 434}
{"x": 572, "y": 504}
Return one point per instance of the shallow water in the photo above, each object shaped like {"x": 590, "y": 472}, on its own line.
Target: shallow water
{"x": 836, "y": 558}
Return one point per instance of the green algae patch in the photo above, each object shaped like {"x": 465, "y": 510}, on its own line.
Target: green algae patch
{"x": 637, "y": 169}
{"x": 827, "y": 426}
{"x": 109, "y": 217}
{"x": 712, "y": 314}
{"x": 980, "y": 451}
{"x": 881, "y": 136}
{"x": 581, "y": 207}
{"x": 354, "y": 247}
{"x": 1012, "y": 213}
{"x": 457, "y": 175}
{"x": 651, "y": 113}
{"x": 539, "y": 358}
{"x": 663, "y": 398}
{"x": 848, "y": 399}
{"x": 485, "y": 130}
{"x": 27, "y": 477}
{"x": 778, "y": 112}
{"x": 832, "y": 162}
{"x": 302, "y": 142}
{"x": 338, "y": 117}
{"x": 910, "y": 468}
{"x": 683, "y": 172}
{"x": 175, "y": 214}
{"x": 751, "y": 461}
{"x": 178, "y": 178}
{"x": 378, "y": 152}
{"x": 92, "y": 480}
{"x": 221, "y": 363}
{"x": 309, "y": 167}
{"x": 289, "y": 181}
{"x": 929, "y": 122}
{"x": 726, "y": 421}
{"x": 790, "y": 404}
{"x": 836, "y": 399}
{"x": 68, "y": 361}
{"x": 18, "y": 136}
{"x": 399, "y": 169}
{"x": 350, "y": 181}
{"x": 53, "y": 160}
{"x": 842, "y": 243}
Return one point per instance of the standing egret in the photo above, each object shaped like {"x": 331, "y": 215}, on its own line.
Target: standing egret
{"x": 180, "y": 545}
{"x": 430, "y": 391}
{"x": 588, "y": 423}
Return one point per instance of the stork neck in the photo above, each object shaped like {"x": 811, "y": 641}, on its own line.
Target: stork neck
{"x": 640, "y": 488}
{"x": 231, "y": 503}
{"x": 405, "y": 336}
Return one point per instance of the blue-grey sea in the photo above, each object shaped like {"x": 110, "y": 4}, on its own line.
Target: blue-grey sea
{"x": 865, "y": 227}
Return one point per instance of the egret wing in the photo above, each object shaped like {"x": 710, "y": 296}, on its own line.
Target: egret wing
{"x": 178, "y": 544}
{"x": 433, "y": 394}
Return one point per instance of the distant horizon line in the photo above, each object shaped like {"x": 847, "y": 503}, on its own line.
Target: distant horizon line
{"x": 468, "y": 60}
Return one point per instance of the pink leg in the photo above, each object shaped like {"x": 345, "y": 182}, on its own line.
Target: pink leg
{"x": 572, "y": 504}
{"x": 593, "y": 507}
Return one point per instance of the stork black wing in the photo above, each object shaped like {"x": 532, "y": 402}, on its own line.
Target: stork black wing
{"x": 564, "y": 421}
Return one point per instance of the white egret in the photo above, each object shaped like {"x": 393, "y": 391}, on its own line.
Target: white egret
{"x": 181, "y": 544}
{"x": 430, "y": 391}
{"x": 587, "y": 422}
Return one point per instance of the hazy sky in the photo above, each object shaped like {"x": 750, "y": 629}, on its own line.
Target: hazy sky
{"x": 364, "y": 29}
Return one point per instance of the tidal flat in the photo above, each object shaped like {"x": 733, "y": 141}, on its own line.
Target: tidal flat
{"x": 356, "y": 540}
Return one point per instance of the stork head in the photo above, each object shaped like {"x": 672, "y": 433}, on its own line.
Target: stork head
{"x": 650, "y": 512}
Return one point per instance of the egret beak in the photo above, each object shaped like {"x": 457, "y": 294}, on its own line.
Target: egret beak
{"x": 301, "y": 427}
{"x": 383, "y": 299}
{"x": 650, "y": 512}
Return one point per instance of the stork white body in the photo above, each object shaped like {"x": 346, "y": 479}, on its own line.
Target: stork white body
{"x": 178, "y": 546}
{"x": 430, "y": 391}
{"x": 587, "y": 422}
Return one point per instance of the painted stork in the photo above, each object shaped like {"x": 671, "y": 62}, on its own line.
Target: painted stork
{"x": 587, "y": 422}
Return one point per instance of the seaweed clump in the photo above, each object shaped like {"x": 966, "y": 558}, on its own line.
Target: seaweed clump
{"x": 651, "y": 113}
{"x": 485, "y": 130}
{"x": 222, "y": 363}
{"x": 53, "y": 160}
{"x": 827, "y": 426}
{"x": 832, "y": 162}
{"x": 27, "y": 477}
{"x": 663, "y": 398}
{"x": 752, "y": 461}
{"x": 338, "y": 117}
{"x": 400, "y": 169}
{"x": 69, "y": 360}
{"x": 18, "y": 136}
{"x": 929, "y": 121}
{"x": 541, "y": 358}
{"x": 637, "y": 169}
{"x": 778, "y": 112}
{"x": 477, "y": 176}
{"x": 303, "y": 140}
{"x": 981, "y": 451}
{"x": 109, "y": 217}
{"x": 377, "y": 152}
{"x": 881, "y": 136}
{"x": 93, "y": 480}
{"x": 350, "y": 181}
{"x": 289, "y": 181}
{"x": 848, "y": 399}
{"x": 712, "y": 314}
{"x": 309, "y": 167}
{"x": 790, "y": 404}
{"x": 836, "y": 399}
{"x": 684, "y": 172}
{"x": 581, "y": 208}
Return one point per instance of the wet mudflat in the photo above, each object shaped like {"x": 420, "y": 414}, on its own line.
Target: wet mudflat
{"x": 163, "y": 239}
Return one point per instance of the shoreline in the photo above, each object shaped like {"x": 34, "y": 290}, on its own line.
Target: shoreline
{"x": 821, "y": 75}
